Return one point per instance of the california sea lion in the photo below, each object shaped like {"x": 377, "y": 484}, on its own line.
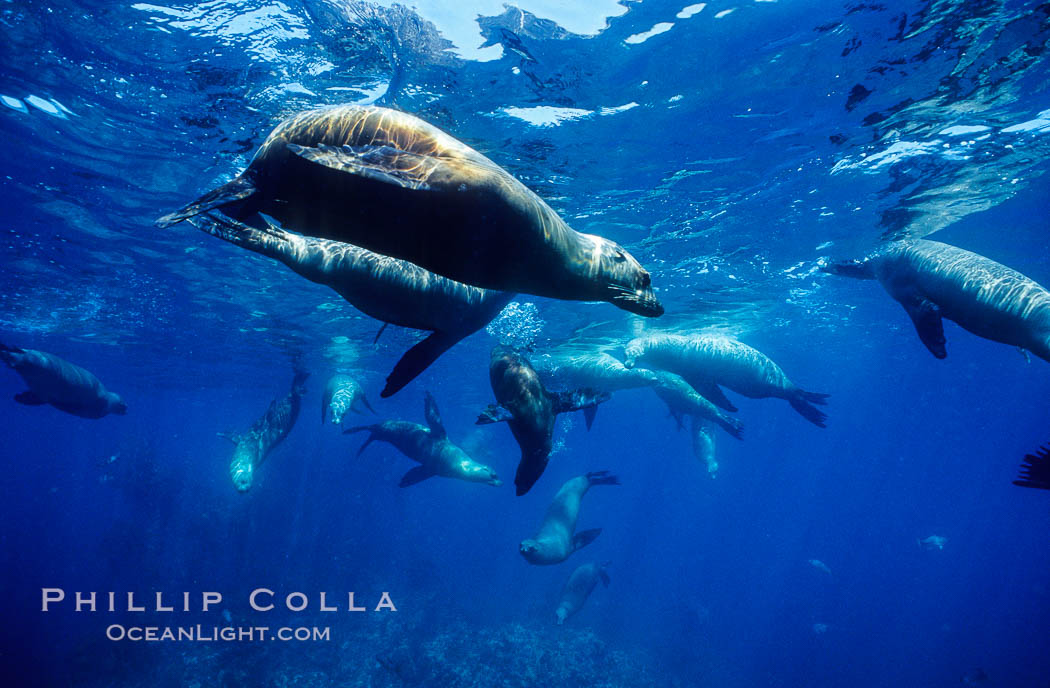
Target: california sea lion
{"x": 556, "y": 538}
{"x": 683, "y": 400}
{"x": 529, "y": 410}
{"x": 934, "y": 281}
{"x": 387, "y": 289}
{"x": 343, "y": 393}
{"x": 704, "y": 445}
{"x": 253, "y": 446}
{"x": 394, "y": 184}
{"x": 707, "y": 361}
{"x": 593, "y": 370}
{"x": 429, "y": 446}
{"x": 932, "y": 542}
{"x": 1035, "y": 471}
{"x": 578, "y": 588}
{"x": 61, "y": 384}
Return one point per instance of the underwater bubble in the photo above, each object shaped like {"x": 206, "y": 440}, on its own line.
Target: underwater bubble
{"x": 518, "y": 325}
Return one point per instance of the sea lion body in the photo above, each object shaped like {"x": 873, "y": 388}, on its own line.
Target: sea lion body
{"x": 387, "y": 289}
{"x": 932, "y": 280}
{"x": 529, "y": 410}
{"x": 253, "y": 446}
{"x": 557, "y": 538}
{"x": 683, "y": 400}
{"x": 708, "y": 361}
{"x": 598, "y": 371}
{"x": 342, "y": 393}
{"x": 430, "y": 447}
{"x": 391, "y": 183}
{"x": 67, "y": 387}
{"x": 579, "y": 587}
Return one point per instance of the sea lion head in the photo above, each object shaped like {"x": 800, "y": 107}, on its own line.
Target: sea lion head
{"x": 529, "y": 549}
{"x": 625, "y": 282}
{"x": 116, "y": 404}
{"x": 479, "y": 473}
{"x": 562, "y": 613}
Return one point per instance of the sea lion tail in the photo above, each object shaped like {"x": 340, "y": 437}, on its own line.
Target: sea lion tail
{"x": 231, "y": 192}
{"x": 602, "y": 478}
{"x": 731, "y": 425}
{"x": 362, "y": 428}
{"x": 803, "y": 403}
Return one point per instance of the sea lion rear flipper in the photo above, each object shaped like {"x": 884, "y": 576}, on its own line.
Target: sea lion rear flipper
{"x": 731, "y": 425}
{"x": 926, "y": 316}
{"x": 416, "y": 360}
{"x": 584, "y": 538}
{"x": 362, "y": 428}
{"x": 1035, "y": 471}
{"x": 29, "y": 398}
{"x": 430, "y": 409}
{"x": 588, "y": 416}
{"x": 713, "y": 393}
{"x": 231, "y": 192}
{"x": 416, "y": 475}
{"x": 494, "y": 413}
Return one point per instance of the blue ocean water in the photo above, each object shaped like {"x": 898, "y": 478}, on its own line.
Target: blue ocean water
{"x": 730, "y": 147}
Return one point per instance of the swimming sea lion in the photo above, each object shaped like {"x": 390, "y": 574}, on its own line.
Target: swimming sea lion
{"x": 1035, "y": 471}
{"x": 391, "y": 183}
{"x": 593, "y": 370}
{"x": 429, "y": 446}
{"x": 683, "y": 400}
{"x": 933, "y": 542}
{"x": 342, "y": 394}
{"x": 555, "y": 540}
{"x": 704, "y": 445}
{"x": 61, "y": 384}
{"x": 579, "y": 587}
{"x": 529, "y": 410}
{"x": 387, "y": 289}
{"x": 707, "y": 361}
{"x": 253, "y": 446}
{"x": 934, "y": 281}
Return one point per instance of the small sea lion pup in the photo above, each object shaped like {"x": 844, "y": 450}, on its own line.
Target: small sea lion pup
{"x": 429, "y": 446}
{"x": 387, "y": 289}
{"x": 343, "y": 393}
{"x": 557, "y": 537}
{"x": 934, "y": 281}
{"x": 707, "y": 361}
{"x": 391, "y": 183}
{"x": 255, "y": 444}
{"x": 579, "y": 587}
{"x": 529, "y": 410}
{"x": 61, "y": 384}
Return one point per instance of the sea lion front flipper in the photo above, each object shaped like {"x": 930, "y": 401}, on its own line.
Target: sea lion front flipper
{"x": 713, "y": 393}
{"x": 493, "y": 413}
{"x": 584, "y": 538}
{"x": 416, "y": 475}
{"x": 239, "y": 189}
{"x": 926, "y": 316}
{"x": 417, "y": 359}
{"x": 378, "y": 163}
{"x": 29, "y": 398}
{"x": 430, "y": 409}
{"x": 588, "y": 416}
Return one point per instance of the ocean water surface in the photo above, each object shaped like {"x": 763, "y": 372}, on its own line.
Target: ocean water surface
{"x": 732, "y": 147}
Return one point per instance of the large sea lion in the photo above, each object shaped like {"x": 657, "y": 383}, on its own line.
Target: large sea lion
{"x": 255, "y": 444}
{"x": 61, "y": 384}
{"x": 707, "y": 361}
{"x": 557, "y": 537}
{"x": 387, "y": 289}
{"x": 579, "y": 587}
{"x": 391, "y": 183}
{"x": 429, "y": 446}
{"x": 529, "y": 410}
{"x": 934, "y": 281}
{"x": 682, "y": 400}
{"x": 1035, "y": 471}
{"x": 343, "y": 393}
